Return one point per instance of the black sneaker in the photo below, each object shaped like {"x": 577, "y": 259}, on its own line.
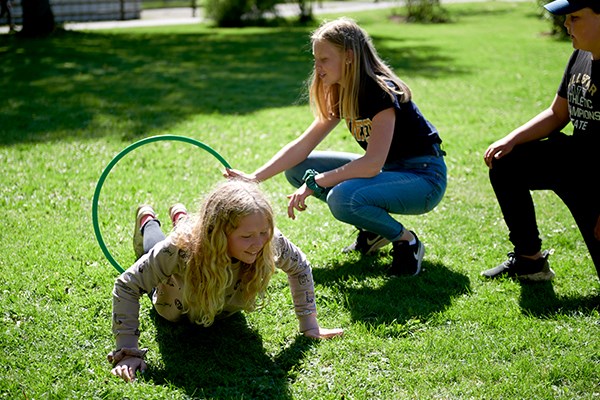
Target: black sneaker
{"x": 366, "y": 243}
{"x": 522, "y": 268}
{"x": 407, "y": 258}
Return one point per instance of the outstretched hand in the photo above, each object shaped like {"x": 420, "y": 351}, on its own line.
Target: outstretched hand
{"x": 323, "y": 333}
{"x": 127, "y": 368}
{"x": 236, "y": 174}
{"x": 298, "y": 200}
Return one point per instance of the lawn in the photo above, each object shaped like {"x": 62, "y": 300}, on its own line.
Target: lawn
{"x": 72, "y": 102}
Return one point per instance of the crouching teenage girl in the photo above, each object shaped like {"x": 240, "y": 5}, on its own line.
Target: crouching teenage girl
{"x": 212, "y": 265}
{"x": 402, "y": 170}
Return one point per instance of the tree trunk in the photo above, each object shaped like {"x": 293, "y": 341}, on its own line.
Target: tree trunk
{"x": 38, "y": 19}
{"x": 306, "y": 14}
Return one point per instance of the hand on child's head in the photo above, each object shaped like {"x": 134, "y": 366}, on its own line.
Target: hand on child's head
{"x": 231, "y": 173}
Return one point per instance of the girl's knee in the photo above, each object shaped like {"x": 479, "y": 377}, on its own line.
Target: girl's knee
{"x": 501, "y": 170}
{"x": 294, "y": 177}
{"x": 339, "y": 203}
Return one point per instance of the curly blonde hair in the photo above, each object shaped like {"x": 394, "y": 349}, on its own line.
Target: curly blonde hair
{"x": 341, "y": 100}
{"x": 203, "y": 240}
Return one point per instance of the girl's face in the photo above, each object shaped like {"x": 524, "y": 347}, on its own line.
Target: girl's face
{"x": 329, "y": 61}
{"x": 248, "y": 239}
{"x": 584, "y": 28}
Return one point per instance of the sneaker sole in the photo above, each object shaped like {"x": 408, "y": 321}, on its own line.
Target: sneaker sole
{"x": 542, "y": 276}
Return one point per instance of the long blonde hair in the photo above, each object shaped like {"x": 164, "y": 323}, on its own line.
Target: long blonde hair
{"x": 341, "y": 100}
{"x": 204, "y": 243}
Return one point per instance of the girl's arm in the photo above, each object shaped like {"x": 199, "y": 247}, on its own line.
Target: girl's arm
{"x": 552, "y": 119}
{"x": 293, "y": 262}
{"x": 369, "y": 165}
{"x": 143, "y": 276}
{"x": 292, "y": 153}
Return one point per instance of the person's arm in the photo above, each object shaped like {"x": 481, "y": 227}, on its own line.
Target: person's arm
{"x": 552, "y": 119}
{"x": 367, "y": 166}
{"x": 293, "y": 262}
{"x": 370, "y": 164}
{"x": 143, "y": 276}
{"x": 291, "y": 154}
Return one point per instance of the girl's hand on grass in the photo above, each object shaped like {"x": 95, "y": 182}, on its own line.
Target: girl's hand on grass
{"x": 323, "y": 333}
{"x": 298, "y": 200}
{"x": 128, "y": 367}
{"x": 236, "y": 174}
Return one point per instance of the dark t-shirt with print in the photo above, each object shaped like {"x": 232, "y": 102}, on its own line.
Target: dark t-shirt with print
{"x": 579, "y": 86}
{"x": 413, "y": 134}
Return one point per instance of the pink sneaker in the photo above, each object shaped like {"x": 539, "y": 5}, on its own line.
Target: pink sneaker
{"x": 177, "y": 212}
{"x": 143, "y": 212}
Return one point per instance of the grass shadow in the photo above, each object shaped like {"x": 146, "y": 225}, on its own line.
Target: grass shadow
{"x": 226, "y": 360}
{"x": 94, "y": 84}
{"x": 398, "y": 300}
{"x": 82, "y": 83}
{"x": 485, "y": 11}
{"x": 540, "y": 300}
{"x": 417, "y": 60}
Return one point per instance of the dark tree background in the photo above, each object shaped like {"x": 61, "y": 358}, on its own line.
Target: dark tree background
{"x": 38, "y": 19}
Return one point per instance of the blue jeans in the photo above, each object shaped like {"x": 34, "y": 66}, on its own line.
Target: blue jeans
{"x": 410, "y": 187}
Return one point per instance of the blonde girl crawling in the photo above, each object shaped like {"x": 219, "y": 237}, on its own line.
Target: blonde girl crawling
{"x": 212, "y": 265}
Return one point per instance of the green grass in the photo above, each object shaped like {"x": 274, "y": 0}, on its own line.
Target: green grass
{"x": 71, "y": 102}
{"x": 146, "y": 5}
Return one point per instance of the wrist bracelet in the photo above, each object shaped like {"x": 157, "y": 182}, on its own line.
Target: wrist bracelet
{"x": 309, "y": 180}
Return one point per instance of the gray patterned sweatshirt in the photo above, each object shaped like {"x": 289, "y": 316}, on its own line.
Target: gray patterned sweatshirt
{"x": 160, "y": 272}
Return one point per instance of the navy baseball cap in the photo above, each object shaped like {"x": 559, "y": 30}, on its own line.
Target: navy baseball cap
{"x": 564, "y": 7}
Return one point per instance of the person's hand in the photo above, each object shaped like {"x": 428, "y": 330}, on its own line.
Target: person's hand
{"x": 127, "y": 368}
{"x": 497, "y": 150}
{"x": 597, "y": 229}
{"x": 235, "y": 174}
{"x": 298, "y": 200}
{"x": 323, "y": 333}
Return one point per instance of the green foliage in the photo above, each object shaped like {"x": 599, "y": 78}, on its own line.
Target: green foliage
{"x": 426, "y": 11}
{"x": 231, "y": 13}
{"x": 556, "y": 22}
{"x": 226, "y": 12}
{"x": 69, "y": 103}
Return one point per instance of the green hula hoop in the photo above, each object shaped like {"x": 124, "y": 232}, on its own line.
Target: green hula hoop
{"x": 115, "y": 160}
